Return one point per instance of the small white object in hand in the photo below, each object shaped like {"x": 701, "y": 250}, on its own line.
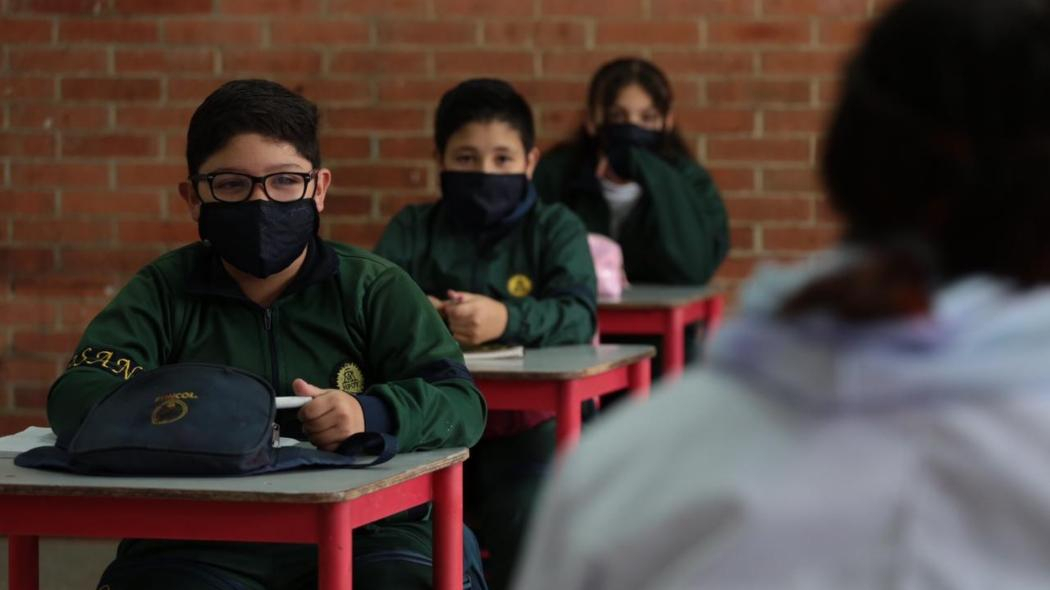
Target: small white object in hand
{"x": 285, "y": 402}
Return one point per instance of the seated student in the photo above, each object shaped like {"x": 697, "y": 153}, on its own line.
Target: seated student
{"x": 629, "y": 175}
{"x": 262, "y": 292}
{"x": 501, "y": 267}
{"x": 878, "y": 417}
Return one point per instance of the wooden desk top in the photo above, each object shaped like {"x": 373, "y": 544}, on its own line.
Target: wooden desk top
{"x": 308, "y": 486}
{"x": 561, "y": 362}
{"x": 658, "y": 296}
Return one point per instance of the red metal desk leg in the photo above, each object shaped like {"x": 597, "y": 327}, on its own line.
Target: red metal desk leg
{"x": 674, "y": 344}
{"x": 448, "y": 528}
{"x": 639, "y": 377}
{"x": 335, "y": 550}
{"x": 23, "y": 563}
{"x": 569, "y": 419}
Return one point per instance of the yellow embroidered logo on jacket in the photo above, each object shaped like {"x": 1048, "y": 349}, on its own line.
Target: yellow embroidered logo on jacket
{"x": 519, "y": 285}
{"x": 350, "y": 379}
{"x": 171, "y": 407}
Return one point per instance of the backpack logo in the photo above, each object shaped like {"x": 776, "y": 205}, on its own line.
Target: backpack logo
{"x": 350, "y": 379}
{"x": 171, "y": 407}
{"x": 519, "y": 285}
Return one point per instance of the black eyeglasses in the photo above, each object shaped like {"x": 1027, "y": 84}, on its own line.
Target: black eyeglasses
{"x": 234, "y": 187}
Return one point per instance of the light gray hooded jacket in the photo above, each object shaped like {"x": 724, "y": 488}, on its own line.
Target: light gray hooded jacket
{"x": 816, "y": 455}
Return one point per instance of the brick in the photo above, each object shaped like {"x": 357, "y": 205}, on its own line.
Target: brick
{"x": 64, "y": 231}
{"x": 73, "y": 60}
{"x": 59, "y": 117}
{"x": 733, "y": 179}
{"x": 175, "y": 145}
{"x": 828, "y": 91}
{"x": 379, "y": 7}
{"x": 122, "y": 259}
{"x": 156, "y": 232}
{"x": 181, "y": 7}
{"x": 826, "y": 214}
{"x": 391, "y": 204}
{"x": 504, "y": 64}
{"x": 375, "y": 119}
{"x": 270, "y": 7}
{"x": 348, "y": 204}
{"x": 702, "y": 8}
{"x": 213, "y": 32}
{"x": 407, "y": 148}
{"x": 298, "y": 62}
{"x": 796, "y": 121}
{"x": 342, "y": 147}
{"x": 330, "y": 91}
{"x": 814, "y": 7}
{"x": 769, "y": 209}
{"x": 428, "y": 92}
{"x": 54, "y": 342}
{"x": 360, "y": 176}
{"x": 31, "y": 398}
{"x": 26, "y": 312}
{"x": 165, "y": 61}
{"x": 544, "y": 33}
{"x": 790, "y": 179}
{"x": 111, "y": 203}
{"x": 328, "y": 32}
{"x": 151, "y": 117}
{"x": 26, "y": 89}
{"x": 65, "y": 285}
{"x": 552, "y": 91}
{"x": 27, "y": 368}
{"x": 192, "y": 90}
{"x": 560, "y": 122}
{"x": 364, "y": 235}
{"x": 799, "y": 238}
{"x": 60, "y": 174}
{"x": 76, "y": 315}
{"x": 109, "y": 145}
{"x": 15, "y": 260}
{"x": 758, "y": 150}
{"x": 751, "y": 33}
{"x": 57, "y": 6}
{"x": 26, "y": 202}
{"x": 742, "y": 238}
{"x": 25, "y": 30}
{"x": 150, "y": 175}
{"x": 848, "y": 32}
{"x": 706, "y": 63}
{"x": 758, "y": 91}
{"x": 379, "y": 62}
{"x": 427, "y": 33}
{"x": 648, "y": 33}
{"x": 575, "y": 63}
{"x": 737, "y": 267}
{"x": 476, "y": 8}
{"x": 715, "y": 120}
{"x": 592, "y": 8}
{"x": 815, "y": 63}
{"x": 26, "y": 145}
{"x": 13, "y": 423}
{"x": 108, "y": 31}
{"x": 116, "y": 90}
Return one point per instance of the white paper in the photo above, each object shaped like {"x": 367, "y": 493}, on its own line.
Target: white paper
{"x": 30, "y": 438}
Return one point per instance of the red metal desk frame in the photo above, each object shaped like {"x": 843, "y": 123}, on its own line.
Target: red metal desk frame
{"x": 24, "y": 518}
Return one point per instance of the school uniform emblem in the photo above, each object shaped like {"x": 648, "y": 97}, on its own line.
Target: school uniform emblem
{"x": 171, "y": 407}
{"x": 519, "y": 285}
{"x": 350, "y": 379}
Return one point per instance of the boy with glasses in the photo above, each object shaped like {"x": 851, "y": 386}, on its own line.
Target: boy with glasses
{"x": 262, "y": 292}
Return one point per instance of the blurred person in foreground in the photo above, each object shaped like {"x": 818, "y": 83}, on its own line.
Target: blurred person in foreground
{"x": 878, "y": 416}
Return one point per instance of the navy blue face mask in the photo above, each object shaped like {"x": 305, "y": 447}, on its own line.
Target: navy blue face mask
{"x": 617, "y": 139}
{"x": 477, "y": 201}
{"x": 259, "y": 237}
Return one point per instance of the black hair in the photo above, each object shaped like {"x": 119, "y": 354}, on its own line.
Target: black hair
{"x": 252, "y": 106}
{"x": 943, "y": 132}
{"x": 605, "y": 87}
{"x": 482, "y": 100}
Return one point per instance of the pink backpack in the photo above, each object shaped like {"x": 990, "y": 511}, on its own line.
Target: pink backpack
{"x": 608, "y": 265}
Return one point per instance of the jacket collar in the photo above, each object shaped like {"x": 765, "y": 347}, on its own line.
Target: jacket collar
{"x": 209, "y": 276}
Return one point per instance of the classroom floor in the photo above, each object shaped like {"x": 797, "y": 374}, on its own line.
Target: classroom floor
{"x": 66, "y": 564}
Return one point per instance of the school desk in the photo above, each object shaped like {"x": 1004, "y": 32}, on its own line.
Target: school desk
{"x": 559, "y": 378}
{"x": 309, "y": 506}
{"x": 661, "y": 310}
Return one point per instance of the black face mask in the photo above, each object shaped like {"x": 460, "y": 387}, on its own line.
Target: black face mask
{"x": 478, "y": 201}
{"x": 617, "y": 139}
{"x": 259, "y": 237}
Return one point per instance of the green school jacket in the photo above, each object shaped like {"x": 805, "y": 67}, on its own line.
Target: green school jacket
{"x": 541, "y": 269}
{"x": 348, "y": 321}
{"x": 677, "y": 233}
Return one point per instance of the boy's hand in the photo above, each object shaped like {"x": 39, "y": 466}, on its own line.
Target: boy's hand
{"x": 438, "y": 304}
{"x": 331, "y": 417}
{"x": 475, "y": 319}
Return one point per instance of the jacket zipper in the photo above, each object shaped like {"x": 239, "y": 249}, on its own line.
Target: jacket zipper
{"x": 268, "y": 324}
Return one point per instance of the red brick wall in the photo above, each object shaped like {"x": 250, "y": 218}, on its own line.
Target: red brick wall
{"x": 95, "y": 96}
